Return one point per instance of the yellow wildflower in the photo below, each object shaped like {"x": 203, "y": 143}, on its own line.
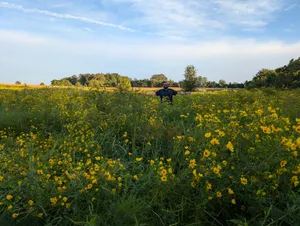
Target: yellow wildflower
{"x": 192, "y": 163}
{"x": 214, "y": 141}
{"x": 230, "y": 191}
{"x": 298, "y": 142}
{"x": 283, "y": 163}
{"x": 244, "y": 180}
{"x": 9, "y": 197}
{"x": 163, "y": 178}
{"x": 206, "y": 153}
{"x": 259, "y": 111}
{"x": 216, "y": 170}
{"x": 179, "y": 138}
{"x": 208, "y": 186}
{"x": 163, "y": 172}
{"x": 229, "y": 145}
{"x": 208, "y": 135}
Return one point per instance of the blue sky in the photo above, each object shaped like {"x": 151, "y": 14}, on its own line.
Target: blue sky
{"x": 41, "y": 40}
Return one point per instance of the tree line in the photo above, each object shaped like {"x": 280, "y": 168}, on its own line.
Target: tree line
{"x": 113, "y": 79}
{"x": 287, "y": 76}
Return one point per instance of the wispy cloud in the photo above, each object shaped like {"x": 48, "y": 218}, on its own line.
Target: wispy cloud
{"x": 253, "y": 13}
{"x": 173, "y": 18}
{"x": 183, "y": 18}
{"x": 152, "y": 50}
{"x": 62, "y": 16}
{"x": 290, "y": 7}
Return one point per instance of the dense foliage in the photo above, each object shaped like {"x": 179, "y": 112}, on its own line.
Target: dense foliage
{"x": 70, "y": 156}
{"x": 110, "y": 80}
{"x": 287, "y": 76}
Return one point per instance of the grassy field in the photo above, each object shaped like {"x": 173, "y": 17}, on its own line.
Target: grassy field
{"x": 88, "y": 157}
{"x": 145, "y": 89}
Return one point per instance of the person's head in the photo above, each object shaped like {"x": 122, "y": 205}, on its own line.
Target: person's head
{"x": 165, "y": 85}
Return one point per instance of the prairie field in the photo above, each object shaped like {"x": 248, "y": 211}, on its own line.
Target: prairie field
{"x": 92, "y": 157}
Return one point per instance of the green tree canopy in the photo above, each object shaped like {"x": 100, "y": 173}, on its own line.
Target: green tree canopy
{"x": 190, "y": 81}
{"x": 158, "y": 79}
{"x": 124, "y": 84}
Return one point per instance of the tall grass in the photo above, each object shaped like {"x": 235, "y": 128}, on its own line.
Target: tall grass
{"x": 88, "y": 157}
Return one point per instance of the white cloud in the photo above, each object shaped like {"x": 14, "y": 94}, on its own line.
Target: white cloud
{"x": 228, "y": 58}
{"x": 62, "y": 16}
{"x": 256, "y": 13}
{"x": 21, "y": 37}
{"x": 171, "y": 17}
{"x": 150, "y": 49}
{"x": 188, "y": 17}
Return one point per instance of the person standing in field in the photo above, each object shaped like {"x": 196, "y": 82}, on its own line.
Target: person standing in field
{"x": 166, "y": 93}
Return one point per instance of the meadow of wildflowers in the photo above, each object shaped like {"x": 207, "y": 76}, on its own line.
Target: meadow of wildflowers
{"x": 87, "y": 157}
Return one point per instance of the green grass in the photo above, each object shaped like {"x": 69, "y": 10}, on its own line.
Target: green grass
{"x": 88, "y": 157}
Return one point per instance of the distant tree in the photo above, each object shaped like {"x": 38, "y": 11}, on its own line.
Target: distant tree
{"x": 83, "y": 79}
{"x": 158, "y": 79}
{"x": 112, "y": 79}
{"x": 73, "y": 79}
{"x": 201, "y": 81}
{"x": 42, "y": 84}
{"x": 95, "y": 84}
{"x": 63, "y": 82}
{"x": 190, "y": 81}
{"x": 222, "y": 83}
{"x": 101, "y": 79}
{"x": 212, "y": 84}
{"x": 264, "y": 78}
{"x": 287, "y": 76}
{"x": 17, "y": 82}
{"x": 236, "y": 85}
{"x": 124, "y": 84}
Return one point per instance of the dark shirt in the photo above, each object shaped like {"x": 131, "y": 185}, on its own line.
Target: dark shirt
{"x": 169, "y": 93}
